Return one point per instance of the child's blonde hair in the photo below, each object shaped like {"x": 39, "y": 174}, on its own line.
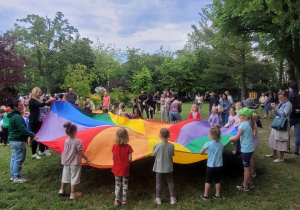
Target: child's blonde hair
{"x": 122, "y": 136}
{"x": 164, "y": 133}
{"x": 253, "y": 121}
{"x": 197, "y": 108}
{"x": 215, "y": 107}
{"x": 215, "y": 132}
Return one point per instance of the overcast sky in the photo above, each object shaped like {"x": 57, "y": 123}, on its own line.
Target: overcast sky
{"x": 144, "y": 24}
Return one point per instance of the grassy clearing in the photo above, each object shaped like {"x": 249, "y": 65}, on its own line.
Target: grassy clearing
{"x": 276, "y": 185}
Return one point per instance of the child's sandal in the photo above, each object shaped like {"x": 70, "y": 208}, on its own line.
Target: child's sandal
{"x": 241, "y": 187}
{"x": 117, "y": 204}
{"x": 124, "y": 203}
{"x": 217, "y": 196}
{"x": 203, "y": 197}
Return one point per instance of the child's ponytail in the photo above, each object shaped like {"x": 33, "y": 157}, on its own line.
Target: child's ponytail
{"x": 70, "y": 128}
{"x": 215, "y": 132}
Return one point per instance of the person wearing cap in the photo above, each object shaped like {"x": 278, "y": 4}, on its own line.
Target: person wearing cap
{"x": 245, "y": 134}
{"x": 294, "y": 119}
{"x": 278, "y": 140}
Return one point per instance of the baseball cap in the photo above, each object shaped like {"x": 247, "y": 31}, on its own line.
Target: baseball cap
{"x": 245, "y": 111}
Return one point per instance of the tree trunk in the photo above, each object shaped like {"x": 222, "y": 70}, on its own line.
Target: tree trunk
{"x": 291, "y": 70}
{"x": 243, "y": 77}
{"x": 48, "y": 84}
{"x": 296, "y": 58}
{"x": 280, "y": 74}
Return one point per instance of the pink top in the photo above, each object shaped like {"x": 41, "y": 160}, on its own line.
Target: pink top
{"x": 70, "y": 156}
{"x": 106, "y": 101}
{"x": 162, "y": 101}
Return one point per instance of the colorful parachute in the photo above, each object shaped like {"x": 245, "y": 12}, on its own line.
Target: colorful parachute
{"x": 97, "y": 132}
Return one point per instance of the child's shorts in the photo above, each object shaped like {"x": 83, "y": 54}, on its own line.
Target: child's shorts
{"x": 246, "y": 159}
{"x": 213, "y": 174}
{"x": 71, "y": 174}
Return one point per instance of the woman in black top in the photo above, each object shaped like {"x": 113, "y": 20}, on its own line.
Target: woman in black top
{"x": 34, "y": 122}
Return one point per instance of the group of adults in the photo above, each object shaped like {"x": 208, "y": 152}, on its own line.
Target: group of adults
{"x": 224, "y": 101}
{"x": 165, "y": 103}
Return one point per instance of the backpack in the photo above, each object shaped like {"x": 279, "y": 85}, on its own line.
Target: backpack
{"x": 295, "y": 100}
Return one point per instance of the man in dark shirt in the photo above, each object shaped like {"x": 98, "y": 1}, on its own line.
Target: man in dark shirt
{"x": 71, "y": 97}
{"x": 142, "y": 99}
{"x": 213, "y": 100}
{"x": 173, "y": 96}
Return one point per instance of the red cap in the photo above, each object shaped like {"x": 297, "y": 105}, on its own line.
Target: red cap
{"x": 8, "y": 109}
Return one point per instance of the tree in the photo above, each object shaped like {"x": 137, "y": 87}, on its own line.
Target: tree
{"x": 46, "y": 37}
{"x": 11, "y": 67}
{"x": 142, "y": 81}
{"x": 79, "y": 80}
{"x": 107, "y": 63}
{"x": 185, "y": 72}
{"x": 275, "y": 22}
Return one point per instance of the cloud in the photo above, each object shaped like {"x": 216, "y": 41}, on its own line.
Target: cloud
{"x": 142, "y": 24}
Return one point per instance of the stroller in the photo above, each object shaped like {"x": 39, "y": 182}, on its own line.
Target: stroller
{"x": 250, "y": 103}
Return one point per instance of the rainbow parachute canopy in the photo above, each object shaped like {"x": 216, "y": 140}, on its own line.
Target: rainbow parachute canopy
{"x": 97, "y": 132}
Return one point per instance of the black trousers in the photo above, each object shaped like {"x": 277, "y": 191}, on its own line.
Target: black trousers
{"x": 4, "y": 136}
{"x": 35, "y": 127}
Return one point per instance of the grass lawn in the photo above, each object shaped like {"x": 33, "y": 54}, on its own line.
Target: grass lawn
{"x": 276, "y": 185}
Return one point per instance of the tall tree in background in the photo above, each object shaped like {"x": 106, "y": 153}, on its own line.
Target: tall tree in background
{"x": 46, "y": 36}
{"x": 79, "y": 79}
{"x": 277, "y": 22}
{"x": 11, "y": 66}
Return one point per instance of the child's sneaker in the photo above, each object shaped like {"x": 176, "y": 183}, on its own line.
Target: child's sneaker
{"x": 241, "y": 187}
{"x": 158, "y": 201}
{"x": 203, "y": 197}
{"x": 47, "y": 153}
{"x": 124, "y": 203}
{"x": 254, "y": 174}
{"x": 75, "y": 195}
{"x": 217, "y": 196}
{"x": 117, "y": 203}
{"x": 42, "y": 153}
{"x": 251, "y": 185}
{"x": 173, "y": 200}
{"x": 36, "y": 156}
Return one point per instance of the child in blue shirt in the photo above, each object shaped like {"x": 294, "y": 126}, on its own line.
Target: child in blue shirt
{"x": 245, "y": 134}
{"x": 214, "y": 161}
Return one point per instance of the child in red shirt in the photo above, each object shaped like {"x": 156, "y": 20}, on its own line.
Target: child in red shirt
{"x": 121, "y": 155}
{"x": 194, "y": 114}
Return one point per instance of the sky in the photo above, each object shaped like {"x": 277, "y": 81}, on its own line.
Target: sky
{"x": 144, "y": 24}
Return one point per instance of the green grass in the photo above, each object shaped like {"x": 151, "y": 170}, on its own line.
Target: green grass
{"x": 276, "y": 185}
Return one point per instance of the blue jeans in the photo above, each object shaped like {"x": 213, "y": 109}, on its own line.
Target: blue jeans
{"x": 296, "y": 124}
{"x": 266, "y": 110}
{"x": 224, "y": 117}
{"x": 176, "y": 115}
{"x": 200, "y": 106}
{"x": 18, "y": 155}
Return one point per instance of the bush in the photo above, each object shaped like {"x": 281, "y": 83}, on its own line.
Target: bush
{"x": 118, "y": 95}
{"x": 96, "y": 98}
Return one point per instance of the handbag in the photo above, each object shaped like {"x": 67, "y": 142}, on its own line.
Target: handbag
{"x": 279, "y": 123}
{"x": 220, "y": 108}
